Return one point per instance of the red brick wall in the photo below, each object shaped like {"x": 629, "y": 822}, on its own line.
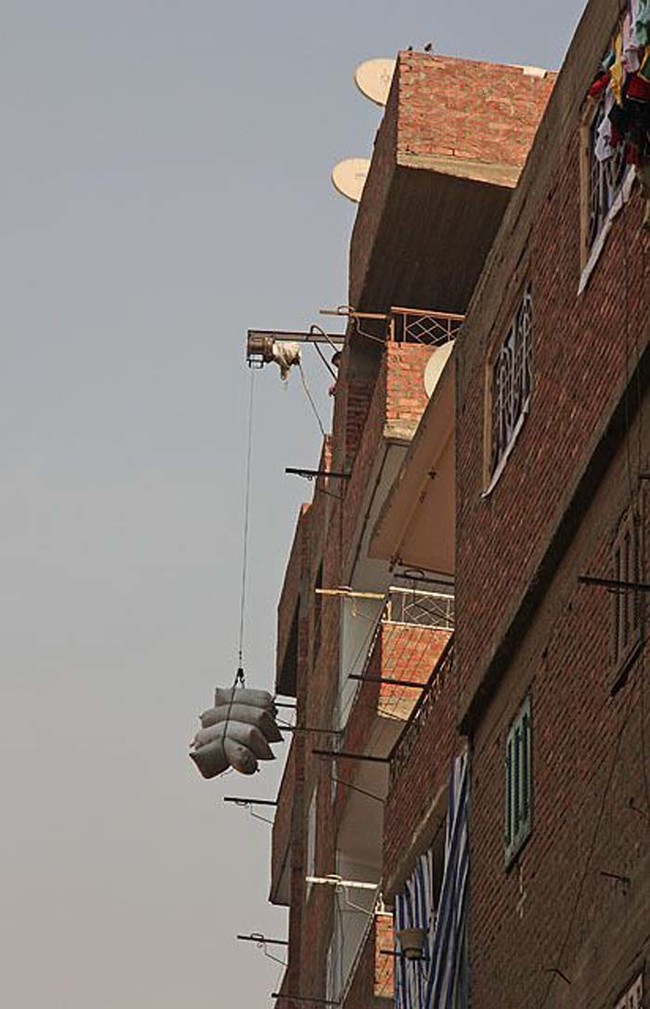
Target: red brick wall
{"x": 580, "y": 349}
{"x": 524, "y": 621}
{"x": 408, "y": 653}
{"x": 439, "y": 105}
{"x": 468, "y": 109}
{"x": 397, "y": 403}
{"x": 591, "y": 804}
{"x": 372, "y": 986}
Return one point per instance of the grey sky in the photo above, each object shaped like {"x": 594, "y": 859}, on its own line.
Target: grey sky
{"x": 165, "y": 186}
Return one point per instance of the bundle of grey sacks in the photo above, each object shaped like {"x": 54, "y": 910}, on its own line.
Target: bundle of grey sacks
{"x": 236, "y": 732}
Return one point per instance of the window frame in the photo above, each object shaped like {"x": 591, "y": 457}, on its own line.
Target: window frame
{"x": 518, "y": 774}
{"x": 517, "y": 346}
{"x": 633, "y": 997}
{"x": 619, "y": 191}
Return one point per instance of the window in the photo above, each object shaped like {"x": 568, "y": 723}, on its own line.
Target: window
{"x": 626, "y": 606}
{"x": 605, "y": 174}
{"x": 511, "y": 384}
{"x": 519, "y": 781}
{"x": 633, "y": 998}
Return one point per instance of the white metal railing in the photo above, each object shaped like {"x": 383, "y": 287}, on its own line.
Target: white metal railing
{"x": 424, "y": 609}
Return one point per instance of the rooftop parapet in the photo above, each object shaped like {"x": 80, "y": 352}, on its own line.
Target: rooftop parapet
{"x": 450, "y": 148}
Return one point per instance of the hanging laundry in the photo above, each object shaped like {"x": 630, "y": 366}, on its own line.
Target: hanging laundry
{"x": 600, "y": 84}
{"x": 604, "y": 147}
{"x": 285, "y": 355}
{"x": 617, "y": 71}
{"x": 631, "y": 59}
{"x": 236, "y": 732}
{"x": 644, "y": 69}
{"x": 642, "y": 23}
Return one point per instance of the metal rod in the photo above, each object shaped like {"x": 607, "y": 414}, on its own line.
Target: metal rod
{"x": 298, "y": 336}
{"x": 387, "y": 679}
{"x": 300, "y": 728}
{"x": 303, "y": 998}
{"x": 427, "y": 312}
{"x": 350, "y": 313}
{"x": 396, "y": 953}
{"x": 352, "y": 884}
{"x": 613, "y": 583}
{"x": 344, "y": 755}
{"x": 344, "y": 590}
{"x": 615, "y": 875}
{"x": 311, "y": 474}
{"x": 249, "y": 802}
{"x": 259, "y": 938}
{"x": 279, "y": 704}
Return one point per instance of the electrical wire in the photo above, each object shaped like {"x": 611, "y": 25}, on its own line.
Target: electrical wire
{"x": 311, "y": 399}
{"x": 245, "y": 535}
{"x": 356, "y": 788}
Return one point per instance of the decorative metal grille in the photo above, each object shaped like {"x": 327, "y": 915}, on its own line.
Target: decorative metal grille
{"x": 511, "y": 380}
{"x": 633, "y": 998}
{"x": 426, "y": 609}
{"x": 433, "y": 329}
{"x": 605, "y": 178}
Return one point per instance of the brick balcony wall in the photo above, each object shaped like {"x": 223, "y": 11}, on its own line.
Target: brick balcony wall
{"x": 372, "y": 984}
{"x": 395, "y": 409}
{"x": 449, "y": 108}
{"x": 467, "y": 109}
{"x": 423, "y": 776}
{"x": 401, "y": 651}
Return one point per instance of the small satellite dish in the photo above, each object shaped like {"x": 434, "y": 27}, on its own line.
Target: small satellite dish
{"x": 373, "y": 79}
{"x": 435, "y": 366}
{"x": 349, "y": 177}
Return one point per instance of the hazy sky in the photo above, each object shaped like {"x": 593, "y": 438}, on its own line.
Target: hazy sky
{"x": 165, "y": 186}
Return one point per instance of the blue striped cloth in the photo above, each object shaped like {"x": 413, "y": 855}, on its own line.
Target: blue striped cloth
{"x": 439, "y": 981}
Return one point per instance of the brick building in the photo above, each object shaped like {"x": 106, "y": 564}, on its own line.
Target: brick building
{"x": 365, "y": 616}
{"x": 551, "y": 514}
{"x": 544, "y": 476}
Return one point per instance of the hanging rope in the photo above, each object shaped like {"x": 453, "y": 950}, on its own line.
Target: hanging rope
{"x": 239, "y": 677}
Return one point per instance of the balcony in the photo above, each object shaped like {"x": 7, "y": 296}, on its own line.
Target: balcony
{"x": 411, "y": 630}
{"x": 440, "y": 179}
{"x": 422, "y": 712}
{"x": 402, "y": 325}
{"x": 419, "y": 772}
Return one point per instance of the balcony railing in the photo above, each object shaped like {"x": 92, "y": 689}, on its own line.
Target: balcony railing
{"x": 413, "y": 325}
{"x": 405, "y": 745}
{"x": 403, "y": 325}
{"x": 425, "y": 609}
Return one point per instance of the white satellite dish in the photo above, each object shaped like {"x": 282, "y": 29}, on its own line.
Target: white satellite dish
{"x": 349, "y": 177}
{"x": 373, "y": 79}
{"x": 436, "y": 366}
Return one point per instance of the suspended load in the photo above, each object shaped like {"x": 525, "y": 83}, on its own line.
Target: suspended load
{"x": 236, "y": 732}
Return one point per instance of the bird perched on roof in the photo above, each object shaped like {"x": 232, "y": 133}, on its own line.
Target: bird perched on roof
{"x": 430, "y": 47}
